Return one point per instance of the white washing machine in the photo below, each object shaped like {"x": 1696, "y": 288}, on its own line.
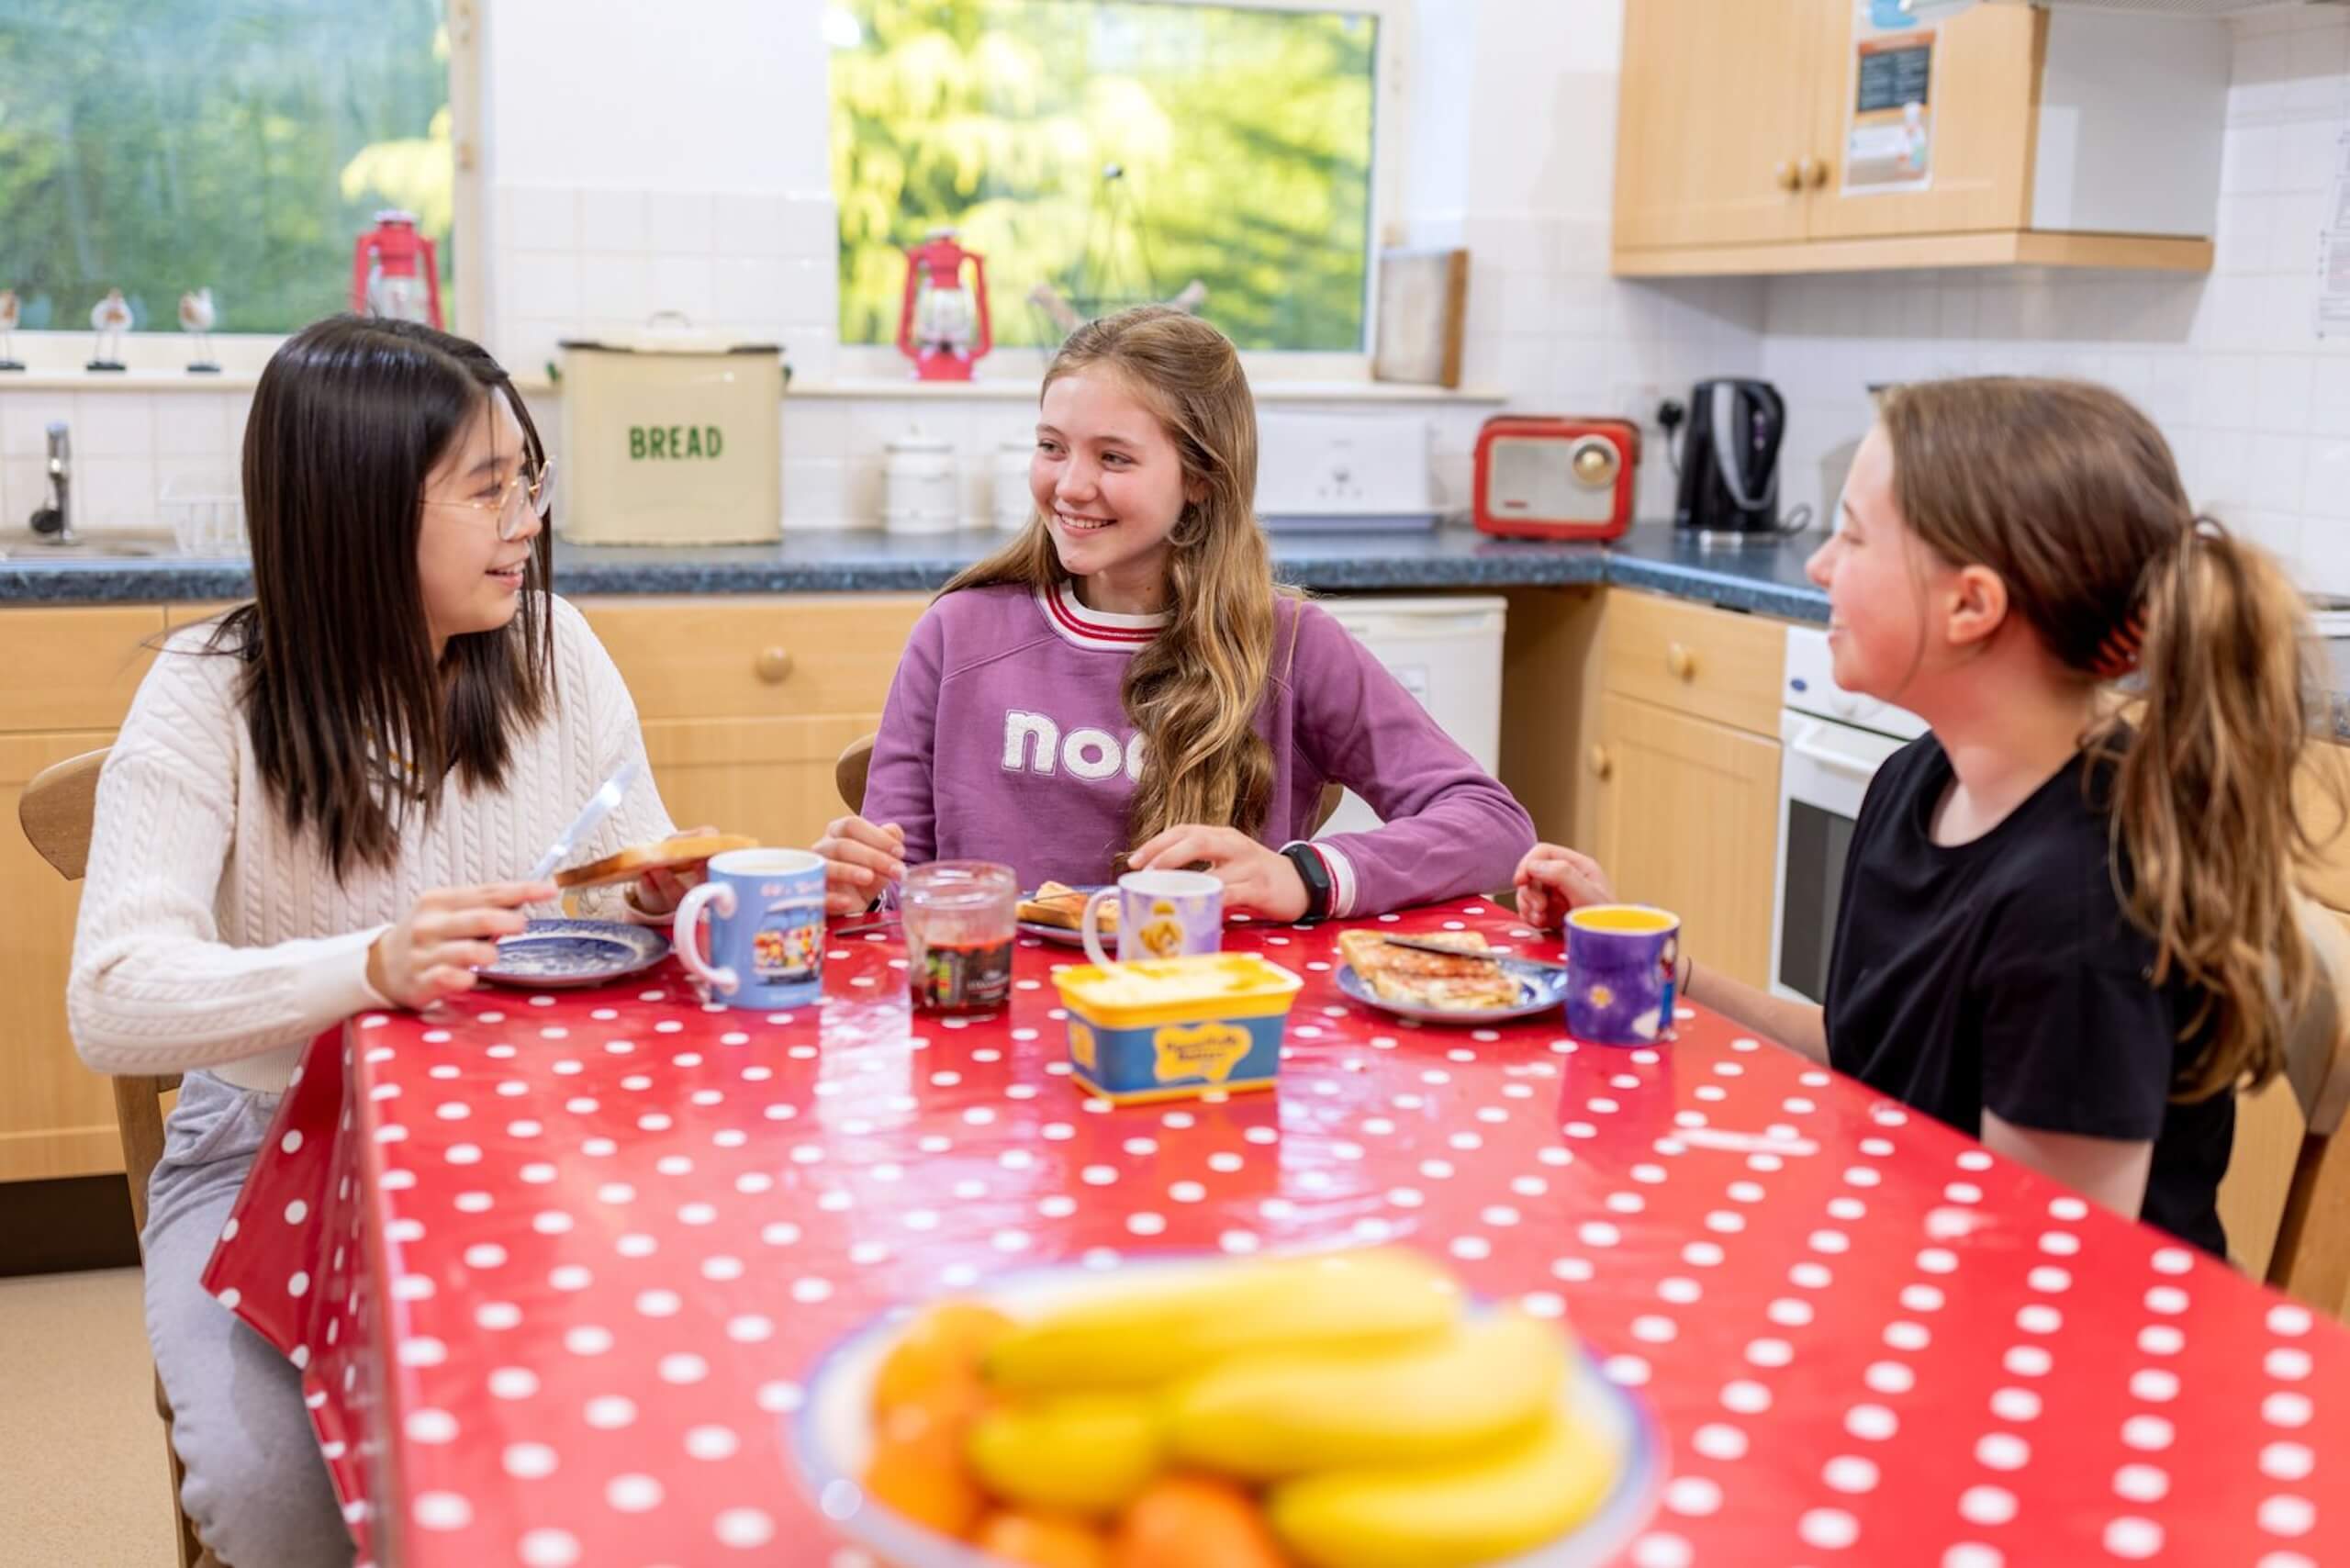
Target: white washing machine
{"x": 1447, "y": 652}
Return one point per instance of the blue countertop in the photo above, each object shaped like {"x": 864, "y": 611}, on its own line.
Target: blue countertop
{"x": 1766, "y": 578}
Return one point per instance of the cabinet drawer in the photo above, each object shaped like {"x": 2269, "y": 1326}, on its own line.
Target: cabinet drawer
{"x": 75, "y": 668}
{"x": 723, "y": 659}
{"x": 1694, "y": 659}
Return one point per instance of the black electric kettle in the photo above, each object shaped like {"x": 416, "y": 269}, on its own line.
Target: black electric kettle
{"x": 1729, "y": 463}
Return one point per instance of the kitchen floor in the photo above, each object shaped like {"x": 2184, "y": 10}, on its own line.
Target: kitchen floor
{"x": 84, "y": 1482}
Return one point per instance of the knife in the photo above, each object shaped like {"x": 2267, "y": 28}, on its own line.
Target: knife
{"x": 598, "y": 806}
{"x": 1509, "y": 963}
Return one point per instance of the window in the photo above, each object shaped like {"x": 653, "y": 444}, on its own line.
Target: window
{"x": 164, "y": 146}
{"x": 1114, "y": 152}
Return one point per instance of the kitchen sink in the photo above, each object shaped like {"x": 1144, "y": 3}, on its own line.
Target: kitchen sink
{"x": 89, "y": 547}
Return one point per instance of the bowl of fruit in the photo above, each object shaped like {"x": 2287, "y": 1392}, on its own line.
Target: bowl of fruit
{"x": 1348, "y": 1409}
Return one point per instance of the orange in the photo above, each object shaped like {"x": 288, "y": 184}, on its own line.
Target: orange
{"x": 917, "y": 1469}
{"x": 1183, "y": 1521}
{"x": 935, "y": 1363}
{"x": 1043, "y": 1540}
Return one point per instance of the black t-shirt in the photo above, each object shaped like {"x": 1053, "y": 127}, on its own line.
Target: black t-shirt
{"x": 2003, "y": 975}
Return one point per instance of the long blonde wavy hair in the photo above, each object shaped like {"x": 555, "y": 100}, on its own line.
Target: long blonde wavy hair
{"x": 2071, "y": 495}
{"x": 1194, "y": 691}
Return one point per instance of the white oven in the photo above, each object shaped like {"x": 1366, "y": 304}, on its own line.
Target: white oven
{"x": 1833, "y": 741}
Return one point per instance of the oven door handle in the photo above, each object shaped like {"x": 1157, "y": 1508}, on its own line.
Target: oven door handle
{"x": 1860, "y": 768}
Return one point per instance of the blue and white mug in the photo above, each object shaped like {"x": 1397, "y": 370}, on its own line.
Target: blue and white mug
{"x": 766, "y": 927}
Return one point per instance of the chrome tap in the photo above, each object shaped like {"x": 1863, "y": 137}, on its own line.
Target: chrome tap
{"x": 54, "y": 522}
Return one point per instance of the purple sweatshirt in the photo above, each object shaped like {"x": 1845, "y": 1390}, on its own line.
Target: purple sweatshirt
{"x": 1004, "y": 740}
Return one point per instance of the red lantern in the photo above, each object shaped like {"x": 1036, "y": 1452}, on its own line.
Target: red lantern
{"x": 393, "y": 272}
{"x": 936, "y": 321}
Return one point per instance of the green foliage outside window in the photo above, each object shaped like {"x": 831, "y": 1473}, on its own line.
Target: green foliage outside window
{"x": 1243, "y": 138}
{"x": 160, "y": 145}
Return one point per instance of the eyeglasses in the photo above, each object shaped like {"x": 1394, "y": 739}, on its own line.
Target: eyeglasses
{"x": 529, "y": 491}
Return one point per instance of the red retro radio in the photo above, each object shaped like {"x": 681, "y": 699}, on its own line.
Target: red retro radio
{"x": 1552, "y": 476}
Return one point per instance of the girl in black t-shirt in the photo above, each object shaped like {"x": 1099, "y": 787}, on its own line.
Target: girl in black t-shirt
{"x": 2064, "y": 918}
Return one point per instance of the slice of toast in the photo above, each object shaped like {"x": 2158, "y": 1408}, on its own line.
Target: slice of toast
{"x": 1058, "y": 904}
{"x": 1416, "y": 978}
{"x": 667, "y": 855}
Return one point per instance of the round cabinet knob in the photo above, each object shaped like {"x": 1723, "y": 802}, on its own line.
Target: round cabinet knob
{"x": 1601, "y": 766}
{"x": 1596, "y": 463}
{"x": 774, "y": 665}
{"x": 1789, "y": 175}
{"x": 1815, "y": 173}
{"x": 1681, "y": 662}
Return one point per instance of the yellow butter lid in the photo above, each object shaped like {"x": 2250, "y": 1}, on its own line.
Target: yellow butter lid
{"x": 1174, "y": 982}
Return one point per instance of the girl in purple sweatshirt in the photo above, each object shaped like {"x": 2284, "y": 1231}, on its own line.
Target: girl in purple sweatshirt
{"x": 1125, "y": 685}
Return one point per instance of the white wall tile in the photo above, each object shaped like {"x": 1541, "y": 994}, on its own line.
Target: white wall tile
{"x": 810, "y": 226}
{"x": 2225, "y": 394}
{"x": 612, "y": 220}
{"x": 538, "y": 217}
{"x": 747, "y": 225}
{"x": 113, "y": 424}
{"x": 681, "y": 283}
{"x": 25, "y": 418}
{"x": 678, "y": 221}
{"x": 615, "y": 286}
{"x": 115, "y": 492}
{"x": 191, "y": 424}
{"x": 542, "y": 284}
{"x": 24, "y": 485}
{"x": 2281, "y": 400}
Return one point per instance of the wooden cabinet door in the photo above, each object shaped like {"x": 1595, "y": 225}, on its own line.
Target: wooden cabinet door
{"x": 769, "y": 778}
{"x": 1688, "y": 820}
{"x": 1984, "y": 96}
{"x": 56, "y": 1115}
{"x": 1715, "y": 112}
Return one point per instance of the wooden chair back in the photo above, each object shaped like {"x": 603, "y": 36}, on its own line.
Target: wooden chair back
{"x": 2312, "y": 1256}
{"x": 57, "y": 811}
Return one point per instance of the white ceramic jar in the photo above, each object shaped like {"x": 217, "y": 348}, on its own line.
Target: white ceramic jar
{"x": 1014, "y": 503}
{"x": 918, "y": 489}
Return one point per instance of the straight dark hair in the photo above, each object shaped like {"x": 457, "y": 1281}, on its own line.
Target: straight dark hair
{"x": 355, "y": 726}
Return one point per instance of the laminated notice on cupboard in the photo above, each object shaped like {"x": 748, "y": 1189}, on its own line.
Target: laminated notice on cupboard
{"x": 1889, "y": 134}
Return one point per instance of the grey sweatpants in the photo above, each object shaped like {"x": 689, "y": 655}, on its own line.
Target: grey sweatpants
{"x": 257, "y": 1486}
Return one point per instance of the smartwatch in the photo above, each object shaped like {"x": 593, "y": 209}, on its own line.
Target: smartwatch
{"x": 1315, "y": 872}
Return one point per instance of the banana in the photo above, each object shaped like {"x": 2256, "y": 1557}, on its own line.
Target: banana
{"x": 1159, "y": 1330}
{"x": 1276, "y": 1414}
{"x": 1078, "y": 1453}
{"x": 1479, "y": 1508}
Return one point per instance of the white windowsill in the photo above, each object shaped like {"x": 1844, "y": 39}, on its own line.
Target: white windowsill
{"x": 1266, "y": 391}
{"x": 124, "y": 381}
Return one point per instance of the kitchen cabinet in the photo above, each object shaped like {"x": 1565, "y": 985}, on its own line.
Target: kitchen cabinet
{"x": 2069, "y": 139}
{"x": 747, "y": 703}
{"x": 72, "y": 674}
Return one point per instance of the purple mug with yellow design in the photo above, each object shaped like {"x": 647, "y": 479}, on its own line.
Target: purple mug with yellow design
{"x": 1620, "y": 964}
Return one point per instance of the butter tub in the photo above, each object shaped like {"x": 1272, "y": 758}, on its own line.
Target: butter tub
{"x": 1168, "y": 1029}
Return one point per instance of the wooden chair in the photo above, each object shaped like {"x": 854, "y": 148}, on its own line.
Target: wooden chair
{"x": 2312, "y": 1256}
{"x": 56, "y": 810}
{"x": 856, "y": 760}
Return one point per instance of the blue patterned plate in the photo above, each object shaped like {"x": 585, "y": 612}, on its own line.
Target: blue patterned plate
{"x": 1534, "y": 995}
{"x": 561, "y": 955}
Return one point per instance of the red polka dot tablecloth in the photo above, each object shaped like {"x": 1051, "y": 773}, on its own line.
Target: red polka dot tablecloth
{"x": 556, "y": 1265}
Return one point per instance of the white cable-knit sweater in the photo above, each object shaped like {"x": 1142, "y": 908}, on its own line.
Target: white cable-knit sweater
{"x": 212, "y": 937}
